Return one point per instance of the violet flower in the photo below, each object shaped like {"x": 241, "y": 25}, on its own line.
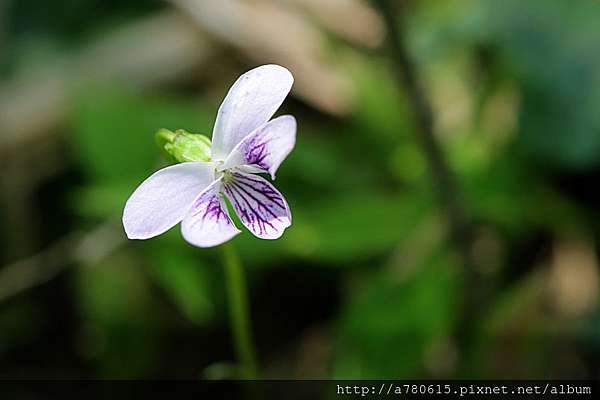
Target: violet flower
{"x": 245, "y": 142}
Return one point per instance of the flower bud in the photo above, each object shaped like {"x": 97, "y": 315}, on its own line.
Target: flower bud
{"x": 182, "y": 146}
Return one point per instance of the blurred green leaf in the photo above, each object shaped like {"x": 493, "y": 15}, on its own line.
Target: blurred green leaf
{"x": 496, "y": 195}
{"x": 101, "y": 200}
{"x": 119, "y": 333}
{"x": 184, "y": 278}
{"x": 386, "y": 331}
{"x": 513, "y": 339}
{"x": 340, "y": 230}
{"x": 551, "y": 46}
{"x": 382, "y": 115}
{"x": 113, "y": 131}
{"x": 353, "y": 228}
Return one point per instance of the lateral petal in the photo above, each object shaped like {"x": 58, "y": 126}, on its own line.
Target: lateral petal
{"x": 266, "y": 147}
{"x": 161, "y": 201}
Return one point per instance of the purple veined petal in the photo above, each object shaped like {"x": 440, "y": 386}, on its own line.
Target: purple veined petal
{"x": 162, "y": 200}
{"x": 208, "y": 223}
{"x": 261, "y": 208}
{"x": 250, "y": 103}
{"x": 266, "y": 147}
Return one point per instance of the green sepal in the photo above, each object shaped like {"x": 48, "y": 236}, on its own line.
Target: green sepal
{"x": 182, "y": 146}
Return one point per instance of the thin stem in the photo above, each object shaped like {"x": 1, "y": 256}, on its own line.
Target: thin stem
{"x": 450, "y": 196}
{"x": 239, "y": 311}
{"x": 444, "y": 180}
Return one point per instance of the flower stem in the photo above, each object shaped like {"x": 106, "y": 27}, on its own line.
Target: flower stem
{"x": 239, "y": 311}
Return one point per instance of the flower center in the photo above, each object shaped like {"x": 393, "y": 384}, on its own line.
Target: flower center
{"x": 219, "y": 165}
{"x": 227, "y": 176}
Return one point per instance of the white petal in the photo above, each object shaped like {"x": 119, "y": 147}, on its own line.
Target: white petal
{"x": 261, "y": 208}
{"x": 266, "y": 147}
{"x": 162, "y": 200}
{"x": 208, "y": 223}
{"x": 251, "y": 102}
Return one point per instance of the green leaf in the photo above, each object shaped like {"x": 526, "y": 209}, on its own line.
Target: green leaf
{"x": 387, "y": 330}
{"x": 354, "y": 228}
{"x": 102, "y": 200}
{"x": 551, "y": 47}
{"x": 341, "y": 230}
{"x": 516, "y": 327}
{"x": 120, "y": 336}
{"x": 183, "y": 277}
{"x": 113, "y": 130}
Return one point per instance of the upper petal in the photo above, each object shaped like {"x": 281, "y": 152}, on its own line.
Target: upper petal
{"x": 261, "y": 208}
{"x": 251, "y": 101}
{"x": 162, "y": 200}
{"x": 266, "y": 147}
{"x": 207, "y": 223}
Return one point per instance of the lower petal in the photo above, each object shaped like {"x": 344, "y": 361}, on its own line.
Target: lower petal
{"x": 208, "y": 223}
{"x": 261, "y": 208}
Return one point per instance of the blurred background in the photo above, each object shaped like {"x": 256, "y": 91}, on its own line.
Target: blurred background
{"x": 369, "y": 281}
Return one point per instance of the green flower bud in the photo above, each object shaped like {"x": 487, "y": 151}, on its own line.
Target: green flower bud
{"x": 182, "y": 146}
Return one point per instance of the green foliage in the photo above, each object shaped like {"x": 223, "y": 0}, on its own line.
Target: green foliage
{"x": 340, "y": 231}
{"x": 389, "y": 327}
{"x": 114, "y": 131}
{"x": 119, "y": 334}
{"x": 184, "y": 277}
{"x": 515, "y": 317}
{"x": 551, "y": 48}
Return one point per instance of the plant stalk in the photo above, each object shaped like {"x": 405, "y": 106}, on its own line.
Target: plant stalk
{"x": 448, "y": 190}
{"x": 239, "y": 314}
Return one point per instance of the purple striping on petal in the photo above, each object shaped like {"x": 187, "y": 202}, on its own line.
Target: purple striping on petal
{"x": 247, "y": 177}
{"x": 213, "y": 209}
{"x": 208, "y": 223}
{"x": 266, "y": 147}
{"x": 256, "y": 152}
{"x": 265, "y": 190}
{"x": 260, "y": 207}
{"x": 244, "y": 194}
{"x": 250, "y": 215}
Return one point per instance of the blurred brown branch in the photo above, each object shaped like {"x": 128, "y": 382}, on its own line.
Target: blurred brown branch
{"x": 444, "y": 180}
{"x": 335, "y": 15}
{"x": 74, "y": 249}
